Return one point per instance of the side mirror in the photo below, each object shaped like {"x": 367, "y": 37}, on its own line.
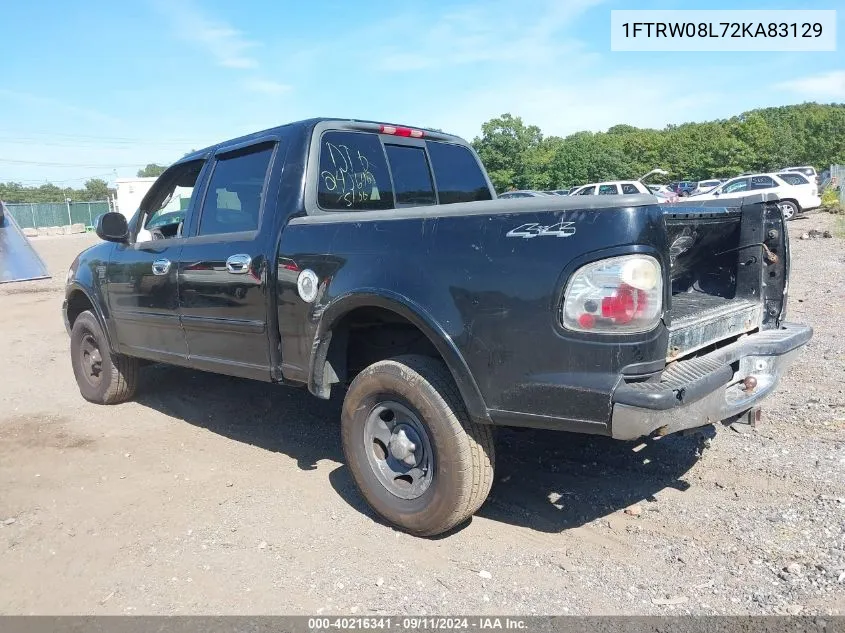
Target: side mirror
{"x": 715, "y": 193}
{"x": 112, "y": 227}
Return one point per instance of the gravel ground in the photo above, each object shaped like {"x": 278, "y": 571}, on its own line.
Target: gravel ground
{"x": 216, "y": 495}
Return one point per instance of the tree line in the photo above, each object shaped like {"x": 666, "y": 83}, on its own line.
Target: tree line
{"x": 519, "y": 155}
{"x": 95, "y": 189}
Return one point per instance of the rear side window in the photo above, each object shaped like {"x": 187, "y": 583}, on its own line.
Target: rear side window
{"x": 353, "y": 173}
{"x": 608, "y": 190}
{"x": 629, "y": 188}
{"x": 412, "y": 184}
{"x": 458, "y": 175}
{"x": 762, "y": 182}
{"x": 233, "y": 201}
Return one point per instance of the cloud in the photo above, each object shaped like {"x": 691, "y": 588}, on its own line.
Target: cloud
{"x": 490, "y": 32}
{"x": 824, "y": 86}
{"x": 265, "y": 86}
{"x": 54, "y": 105}
{"x": 225, "y": 44}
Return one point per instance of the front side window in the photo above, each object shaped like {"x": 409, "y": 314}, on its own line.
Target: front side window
{"x": 459, "y": 177}
{"x": 412, "y": 184}
{"x": 735, "y": 186}
{"x": 586, "y": 191}
{"x": 233, "y": 201}
{"x": 353, "y": 173}
{"x": 608, "y": 190}
{"x": 167, "y": 203}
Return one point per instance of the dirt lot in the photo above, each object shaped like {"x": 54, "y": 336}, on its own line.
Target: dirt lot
{"x": 216, "y": 495}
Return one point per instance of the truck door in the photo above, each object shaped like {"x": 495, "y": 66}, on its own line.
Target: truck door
{"x": 141, "y": 278}
{"x": 222, "y": 268}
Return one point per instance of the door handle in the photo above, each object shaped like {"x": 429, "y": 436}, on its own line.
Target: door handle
{"x": 161, "y": 266}
{"x": 238, "y": 264}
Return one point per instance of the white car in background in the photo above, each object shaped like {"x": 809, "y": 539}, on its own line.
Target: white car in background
{"x": 793, "y": 199}
{"x": 621, "y": 188}
{"x": 807, "y": 170}
{"x": 706, "y": 185}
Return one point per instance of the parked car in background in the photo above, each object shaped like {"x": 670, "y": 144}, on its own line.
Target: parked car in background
{"x": 522, "y": 194}
{"x": 558, "y": 192}
{"x": 663, "y": 193}
{"x": 683, "y": 187}
{"x": 612, "y": 188}
{"x": 797, "y": 179}
{"x": 706, "y": 185}
{"x": 793, "y": 199}
{"x": 807, "y": 170}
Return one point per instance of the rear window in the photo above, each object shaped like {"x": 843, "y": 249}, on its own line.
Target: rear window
{"x": 412, "y": 184}
{"x": 458, "y": 175}
{"x": 353, "y": 173}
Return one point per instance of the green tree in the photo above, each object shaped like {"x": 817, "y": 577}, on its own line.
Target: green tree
{"x": 505, "y": 147}
{"x": 767, "y": 139}
{"x": 96, "y": 189}
{"x": 152, "y": 170}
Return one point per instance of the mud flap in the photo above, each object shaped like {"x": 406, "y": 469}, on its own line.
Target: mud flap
{"x": 18, "y": 260}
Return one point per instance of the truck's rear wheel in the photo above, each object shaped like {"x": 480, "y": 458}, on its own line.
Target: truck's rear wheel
{"x": 102, "y": 377}
{"x": 414, "y": 454}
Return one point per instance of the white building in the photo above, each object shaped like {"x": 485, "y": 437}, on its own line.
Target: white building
{"x": 130, "y": 192}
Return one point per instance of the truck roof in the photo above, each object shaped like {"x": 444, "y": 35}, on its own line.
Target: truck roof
{"x": 306, "y": 125}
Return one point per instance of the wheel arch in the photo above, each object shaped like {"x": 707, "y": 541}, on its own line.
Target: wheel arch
{"x": 414, "y": 314}
{"x": 77, "y": 300}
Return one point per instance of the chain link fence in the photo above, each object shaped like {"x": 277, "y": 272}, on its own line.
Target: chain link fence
{"x": 837, "y": 179}
{"x": 40, "y": 215}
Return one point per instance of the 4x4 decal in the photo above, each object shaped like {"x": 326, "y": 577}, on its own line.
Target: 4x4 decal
{"x": 526, "y": 231}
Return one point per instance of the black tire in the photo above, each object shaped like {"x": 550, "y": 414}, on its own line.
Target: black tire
{"x": 463, "y": 452}
{"x": 789, "y": 209}
{"x": 102, "y": 377}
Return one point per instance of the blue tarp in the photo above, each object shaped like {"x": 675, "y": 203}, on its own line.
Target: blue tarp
{"x": 18, "y": 260}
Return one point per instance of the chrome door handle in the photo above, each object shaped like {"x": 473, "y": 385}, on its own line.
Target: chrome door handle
{"x": 161, "y": 266}
{"x": 238, "y": 264}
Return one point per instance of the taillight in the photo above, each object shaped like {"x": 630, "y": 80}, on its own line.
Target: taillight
{"x": 401, "y": 131}
{"x": 615, "y": 295}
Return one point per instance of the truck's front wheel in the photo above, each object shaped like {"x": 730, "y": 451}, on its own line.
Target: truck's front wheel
{"x": 414, "y": 454}
{"x": 102, "y": 377}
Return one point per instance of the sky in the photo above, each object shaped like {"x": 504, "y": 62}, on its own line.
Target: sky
{"x": 98, "y": 89}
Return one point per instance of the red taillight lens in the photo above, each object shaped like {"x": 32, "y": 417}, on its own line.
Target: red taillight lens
{"x": 619, "y": 307}
{"x": 615, "y": 295}
{"x": 402, "y": 131}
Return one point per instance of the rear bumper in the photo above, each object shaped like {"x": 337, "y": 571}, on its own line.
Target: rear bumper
{"x": 707, "y": 389}
{"x": 812, "y": 202}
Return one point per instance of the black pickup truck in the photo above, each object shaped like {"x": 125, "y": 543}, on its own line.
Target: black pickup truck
{"x": 377, "y": 259}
